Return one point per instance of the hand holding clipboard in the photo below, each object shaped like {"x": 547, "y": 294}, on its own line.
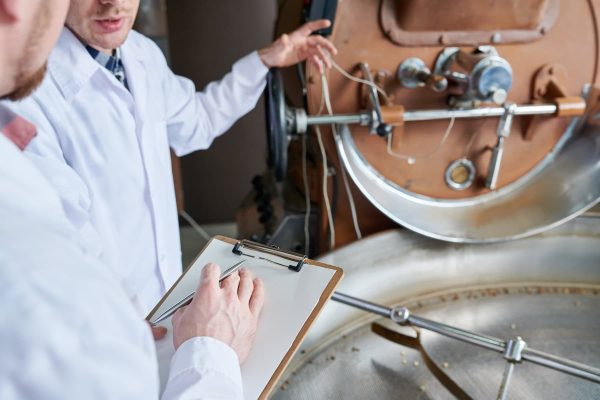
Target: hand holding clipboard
{"x": 294, "y": 296}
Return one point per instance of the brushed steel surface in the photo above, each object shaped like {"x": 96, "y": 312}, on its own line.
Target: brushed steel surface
{"x": 545, "y": 288}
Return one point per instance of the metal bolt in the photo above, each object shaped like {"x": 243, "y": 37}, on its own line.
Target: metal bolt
{"x": 400, "y": 315}
{"x": 496, "y": 37}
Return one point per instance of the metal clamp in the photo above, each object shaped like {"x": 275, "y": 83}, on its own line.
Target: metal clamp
{"x": 298, "y": 260}
{"x": 376, "y": 124}
{"x": 513, "y": 352}
{"x": 400, "y": 315}
{"x": 504, "y": 127}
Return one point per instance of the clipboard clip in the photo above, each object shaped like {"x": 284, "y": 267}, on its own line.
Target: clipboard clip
{"x": 297, "y": 260}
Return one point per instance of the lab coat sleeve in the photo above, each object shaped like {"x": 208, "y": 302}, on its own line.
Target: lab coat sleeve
{"x": 45, "y": 151}
{"x": 204, "y": 368}
{"x": 195, "y": 119}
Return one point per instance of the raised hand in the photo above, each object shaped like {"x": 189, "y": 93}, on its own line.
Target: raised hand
{"x": 298, "y": 46}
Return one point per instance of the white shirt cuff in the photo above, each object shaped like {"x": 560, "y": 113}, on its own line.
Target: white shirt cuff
{"x": 250, "y": 68}
{"x": 204, "y": 367}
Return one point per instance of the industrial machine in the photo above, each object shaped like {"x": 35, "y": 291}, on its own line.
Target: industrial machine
{"x": 468, "y": 124}
{"x": 460, "y": 125}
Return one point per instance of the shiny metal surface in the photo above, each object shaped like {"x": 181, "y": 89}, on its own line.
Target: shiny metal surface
{"x": 563, "y": 185}
{"x": 545, "y": 289}
{"x": 514, "y": 349}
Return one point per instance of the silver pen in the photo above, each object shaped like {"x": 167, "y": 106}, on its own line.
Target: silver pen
{"x": 188, "y": 299}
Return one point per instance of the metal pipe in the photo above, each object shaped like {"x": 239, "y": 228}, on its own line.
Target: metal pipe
{"x": 341, "y": 119}
{"x": 364, "y": 117}
{"x": 484, "y": 112}
{"x": 484, "y": 341}
{"x": 362, "y": 304}
{"x": 488, "y": 342}
{"x": 561, "y": 364}
{"x": 508, "y": 371}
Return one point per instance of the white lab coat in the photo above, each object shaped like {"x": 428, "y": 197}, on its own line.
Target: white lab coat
{"x": 67, "y": 328}
{"x": 106, "y": 150}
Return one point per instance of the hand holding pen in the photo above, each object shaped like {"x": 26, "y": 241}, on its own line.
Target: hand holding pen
{"x": 226, "y": 310}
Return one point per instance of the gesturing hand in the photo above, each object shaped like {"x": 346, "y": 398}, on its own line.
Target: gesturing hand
{"x": 298, "y": 46}
{"x": 227, "y": 312}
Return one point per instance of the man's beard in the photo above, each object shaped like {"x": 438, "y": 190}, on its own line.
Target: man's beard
{"x": 25, "y": 80}
{"x": 26, "y": 84}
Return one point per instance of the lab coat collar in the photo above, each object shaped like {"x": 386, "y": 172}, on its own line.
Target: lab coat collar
{"x": 70, "y": 64}
{"x": 72, "y": 67}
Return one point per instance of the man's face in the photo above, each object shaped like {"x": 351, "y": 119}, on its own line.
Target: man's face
{"x": 41, "y": 30}
{"x": 102, "y": 24}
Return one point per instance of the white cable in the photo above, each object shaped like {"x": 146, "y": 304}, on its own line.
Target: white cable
{"x": 325, "y": 193}
{"x": 306, "y": 197}
{"x": 325, "y": 95}
{"x": 324, "y": 184}
{"x": 195, "y": 225}
{"x": 358, "y": 80}
{"x": 413, "y": 158}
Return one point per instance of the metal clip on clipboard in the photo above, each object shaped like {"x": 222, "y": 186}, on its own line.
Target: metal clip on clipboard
{"x": 297, "y": 261}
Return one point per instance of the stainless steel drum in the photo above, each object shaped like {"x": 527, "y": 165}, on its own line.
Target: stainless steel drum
{"x": 545, "y": 288}
{"x": 562, "y": 186}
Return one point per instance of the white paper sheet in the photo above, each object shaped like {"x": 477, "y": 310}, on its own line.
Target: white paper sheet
{"x": 290, "y": 299}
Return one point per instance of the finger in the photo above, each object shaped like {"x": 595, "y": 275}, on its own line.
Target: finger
{"x": 246, "y": 286}
{"x": 317, "y": 40}
{"x": 316, "y": 61}
{"x": 231, "y": 283}
{"x": 158, "y": 332}
{"x": 209, "y": 279}
{"x": 309, "y": 27}
{"x": 324, "y": 57}
{"x": 257, "y": 300}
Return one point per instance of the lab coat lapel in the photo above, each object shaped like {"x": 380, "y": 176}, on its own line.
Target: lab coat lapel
{"x": 136, "y": 79}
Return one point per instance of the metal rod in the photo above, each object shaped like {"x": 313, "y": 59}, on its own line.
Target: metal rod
{"x": 484, "y": 341}
{"x": 363, "y": 118}
{"x": 508, "y": 370}
{"x": 561, "y": 364}
{"x": 362, "y": 304}
{"x": 483, "y": 112}
{"x": 488, "y": 342}
{"x": 341, "y": 119}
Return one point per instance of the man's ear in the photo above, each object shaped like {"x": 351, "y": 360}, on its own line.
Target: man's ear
{"x": 10, "y": 10}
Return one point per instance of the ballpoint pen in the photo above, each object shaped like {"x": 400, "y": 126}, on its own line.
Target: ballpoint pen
{"x": 188, "y": 299}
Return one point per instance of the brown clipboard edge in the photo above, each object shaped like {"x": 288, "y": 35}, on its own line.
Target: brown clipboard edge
{"x": 325, "y": 296}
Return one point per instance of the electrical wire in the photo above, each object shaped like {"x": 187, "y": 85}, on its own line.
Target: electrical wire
{"x": 327, "y": 98}
{"x": 324, "y": 179}
{"x": 306, "y": 196}
{"x": 411, "y": 159}
{"x": 357, "y": 80}
{"x": 190, "y": 220}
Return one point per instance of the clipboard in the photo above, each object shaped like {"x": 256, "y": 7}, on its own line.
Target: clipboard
{"x": 296, "y": 290}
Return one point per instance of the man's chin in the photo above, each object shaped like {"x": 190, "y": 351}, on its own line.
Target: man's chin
{"x": 26, "y": 86}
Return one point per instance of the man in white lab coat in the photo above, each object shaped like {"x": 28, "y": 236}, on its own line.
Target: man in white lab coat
{"x": 108, "y": 112}
{"x": 67, "y": 329}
